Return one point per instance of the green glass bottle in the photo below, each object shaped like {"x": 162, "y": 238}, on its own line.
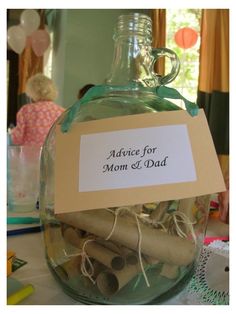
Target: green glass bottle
{"x": 139, "y": 254}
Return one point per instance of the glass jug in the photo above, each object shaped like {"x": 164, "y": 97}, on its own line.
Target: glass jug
{"x": 139, "y": 254}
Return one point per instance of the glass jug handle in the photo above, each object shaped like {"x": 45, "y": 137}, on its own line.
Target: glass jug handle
{"x": 165, "y": 52}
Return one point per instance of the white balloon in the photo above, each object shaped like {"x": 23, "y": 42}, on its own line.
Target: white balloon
{"x": 30, "y": 21}
{"x": 16, "y": 38}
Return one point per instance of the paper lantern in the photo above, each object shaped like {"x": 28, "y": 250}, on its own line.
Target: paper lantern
{"x": 186, "y": 37}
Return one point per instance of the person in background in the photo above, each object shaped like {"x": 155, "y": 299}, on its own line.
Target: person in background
{"x": 223, "y": 198}
{"x": 34, "y": 120}
{"x": 83, "y": 90}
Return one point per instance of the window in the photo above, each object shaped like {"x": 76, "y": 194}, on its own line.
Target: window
{"x": 187, "y": 80}
{"x": 47, "y": 58}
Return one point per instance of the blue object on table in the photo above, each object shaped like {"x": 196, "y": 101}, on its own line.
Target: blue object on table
{"x": 23, "y": 231}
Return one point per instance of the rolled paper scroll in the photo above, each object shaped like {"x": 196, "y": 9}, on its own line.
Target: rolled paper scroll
{"x": 150, "y": 260}
{"x": 69, "y": 269}
{"x": 137, "y": 208}
{"x": 166, "y": 248}
{"x": 94, "y": 249}
{"x": 202, "y": 205}
{"x": 129, "y": 255}
{"x": 98, "y": 268}
{"x": 55, "y": 246}
{"x": 110, "y": 245}
{"x": 186, "y": 206}
{"x": 170, "y": 271}
{"x": 158, "y": 213}
{"x": 110, "y": 282}
{"x": 201, "y": 212}
{"x": 80, "y": 233}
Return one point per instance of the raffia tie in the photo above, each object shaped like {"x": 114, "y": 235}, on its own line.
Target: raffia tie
{"x": 116, "y": 213}
{"x": 155, "y": 224}
{"x": 184, "y": 219}
{"x": 85, "y": 260}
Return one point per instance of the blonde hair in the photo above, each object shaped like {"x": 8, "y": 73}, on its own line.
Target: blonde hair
{"x": 40, "y": 87}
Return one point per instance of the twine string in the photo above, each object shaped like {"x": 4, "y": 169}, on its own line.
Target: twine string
{"x": 154, "y": 223}
{"x": 85, "y": 258}
{"x": 116, "y": 213}
{"x": 183, "y": 219}
{"x": 86, "y": 267}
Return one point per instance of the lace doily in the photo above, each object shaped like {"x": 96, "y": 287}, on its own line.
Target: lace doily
{"x": 210, "y": 282}
{"x": 220, "y": 247}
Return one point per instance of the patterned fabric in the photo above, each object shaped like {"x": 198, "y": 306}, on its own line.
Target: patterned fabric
{"x": 34, "y": 121}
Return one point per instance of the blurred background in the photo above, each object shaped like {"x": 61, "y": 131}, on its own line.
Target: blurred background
{"x": 75, "y": 47}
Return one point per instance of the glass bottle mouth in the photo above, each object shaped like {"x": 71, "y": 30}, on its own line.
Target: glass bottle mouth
{"x": 134, "y": 24}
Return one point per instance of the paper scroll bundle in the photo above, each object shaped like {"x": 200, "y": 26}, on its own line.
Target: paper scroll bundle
{"x": 115, "y": 245}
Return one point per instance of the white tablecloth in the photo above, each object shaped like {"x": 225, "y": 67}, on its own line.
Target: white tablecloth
{"x": 208, "y": 286}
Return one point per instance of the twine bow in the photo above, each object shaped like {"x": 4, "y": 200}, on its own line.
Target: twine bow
{"x": 86, "y": 268}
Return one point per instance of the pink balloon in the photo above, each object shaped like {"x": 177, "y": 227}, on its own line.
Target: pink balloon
{"x": 28, "y": 42}
{"x": 40, "y": 41}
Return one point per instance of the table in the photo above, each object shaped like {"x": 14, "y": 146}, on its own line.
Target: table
{"x": 30, "y": 248}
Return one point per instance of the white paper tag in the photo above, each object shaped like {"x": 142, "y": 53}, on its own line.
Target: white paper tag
{"x": 135, "y": 158}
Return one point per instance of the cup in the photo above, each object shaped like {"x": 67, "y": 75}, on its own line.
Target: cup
{"x": 23, "y": 167}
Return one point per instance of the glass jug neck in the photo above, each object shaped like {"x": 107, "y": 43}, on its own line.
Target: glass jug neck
{"x": 133, "y": 60}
